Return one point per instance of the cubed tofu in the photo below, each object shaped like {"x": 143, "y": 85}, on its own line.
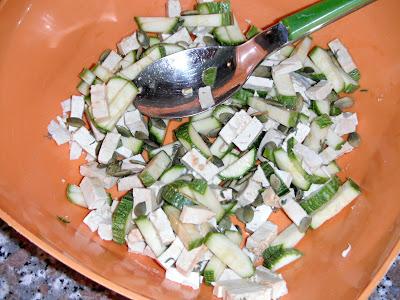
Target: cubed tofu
{"x": 251, "y": 132}
{"x": 75, "y": 151}
{"x": 307, "y": 156}
{"x": 227, "y": 194}
{"x": 188, "y": 259}
{"x": 124, "y": 152}
{"x": 258, "y": 292}
{"x": 288, "y": 65}
{"x": 135, "y": 241}
{"x": 320, "y": 91}
{"x": 250, "y": 254}
{"x": 259, "y": 84}
{"x": 91, "y": 170}
{"x": 342, "y": 55}
{"x": 98, "y": 135}
{"x": 249, "y": 193}
{"x": 261, "y": 214}
{"x": 148, "y": 252}
{"x": 58, "y": 133}
{"x": 262, "y": 238}
{"x": 195, "y": 161}
{"x": 108, "y": 147}
{"x": 129, "y": 182}
{"x": 83, "y": 137}
{"x": 168, "y": 258}
{"x": 99, "y": 102}
{"x": 345, "y": 123}
{"x": 111, "y": 63}
{"x": 235, "y": 126}
{"x": 289, "y": 237}
{"x": 105, "y": 232}
{"x": 259, "y": 176}
{"x": 205, "y": 97}
{"x": 66, "y": 106}
{"x": 270, "y": 198}
{"x": 266, "y": 277}
{"x": 195, "y": 215}
{"x": 163, "y": 226}
{"x": 173, "y": 8}
{"x": 182, "y": 35}
{"x": 93, "y": 192}
{"x": 135, "y": 122}
{"x": 143, "y": 195}
{"x": 221, "y": 286}
{"x": 128, "y": 44}
{"x": 99, "y": 216}
{"x": 192, "y": 279}
{"x": 77, "y": 108}
{"x": 228, "y": 274}
{"x": 294, "y": 210}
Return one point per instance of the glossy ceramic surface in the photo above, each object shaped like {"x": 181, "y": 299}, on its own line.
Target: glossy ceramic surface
{"x": 44, "y": 45}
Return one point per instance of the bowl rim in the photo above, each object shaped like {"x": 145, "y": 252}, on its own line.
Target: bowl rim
{"x": 377, "y": 277}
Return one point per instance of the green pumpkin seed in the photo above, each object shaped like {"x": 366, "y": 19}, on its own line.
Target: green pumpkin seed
{"x": 344, "y": 102}
{"x": 217, "y": 161}
{"x": 183, "y": 44}
{"x": 140, "y": 209}
{"x": 123, "y": 173}
{"x": 75, "y": 122}
{"x": 138, "y": 162}
{"x": 299, "y": 195}
{"x": 259, "y": 201}
{"x": 304, "y": 224}
{"x": 141, "y": 136}
{"x": 225, "y": 117}
{"x": 354, "y": 139}
{"x": 245, "y": 214}
{"x": 275, "y": 182}
{"x": 226, "y": 183}
{"x": 283, "y": 129}
{"x": 143, "y": 39}
{"x": 113, "y": 168}
{"x": 262, "y": 117}
{"x": 332, "y": 97}
{"x": 158, "y": 123}
{"x": 209, "y": 41}
{"x": 125, "y": 132}
{"x": 205, "y": 139}
{"x": 307, "y": 70}
{"x": 139, "y": 53}
{"x": 262, "y": 71}
{"x": 244, "y": 178}
{"x": 225, "y": 224}
{"x": 214, "y": 132}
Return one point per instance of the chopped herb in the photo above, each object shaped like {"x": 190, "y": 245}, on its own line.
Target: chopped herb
{"x": 63, "y": 219}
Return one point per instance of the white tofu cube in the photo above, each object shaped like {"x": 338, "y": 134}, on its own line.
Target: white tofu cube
{"x": 135, "y": 241}
{"x": 329, "y": 154}
{"x": 195, "y": 215}
{"x": 308, "y": 156}
{"x": 270, "y": 198}
{"x": 188, "y": 259}
{"x": 302, "y": 130}
{"x": 294, "y": 210}
{"x": 75, "y": 151}
{"x": 108, "y": 147}
{"x": 83, "y": 137}
{"x": 262, "y": 238}
{"x": 135, "y": 122}
{"x": 66, "y": 106}
{"x": 58, "y": 133}
{"x": 192, "y": 279}
{"x": 182, "y": 35}
{"x": 124, "y": 152}
{"x": 205, "y": 97}
{"x": 112, "y": 61}
{"x": 228, "y": 274}
{"x": 137, "y": 247}
{"x": 148, "y": 252}
{"x": 250, "y": 254}
{"x": 222, "y": 285}
{"x": 289, "y": 237}
{"x": 249, "y": 134}
{"x": 261, "y": 214}
{"x": 97, "y": 217}
{"x": 163, "y": 226}
{"x": 173, "y": 8}
{"x": 128, "y": 44}
{"x": 259, "y": 84}
{"x": 195, "y": 161}
{"x": 129, "y": 182}
{"x": 266, "y": 277}
{"x": 93, "y": 192}
{"x": 77, "y": 108}
{"x": 98, "y": 97}
{"x": 235, "y": 126}
{"x": 319, "y": 91}
{"x": 259, "y": 292}
{"x": 168, "y": 258}
{"x": 98, "y": 135}
{"x": 91, "y": 170}
{"x": 227, "y": 193}
{"x": 345, "y": 123}
{"x": 105, "y": 232}
{"x": 249, "y": 194}
{"x": 288, "y": 65}
{"x": 343, "y": 56}
{"x": 143, "y": 195}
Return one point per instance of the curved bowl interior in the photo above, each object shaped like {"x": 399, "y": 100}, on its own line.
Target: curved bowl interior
{"x": 45, "y": 44}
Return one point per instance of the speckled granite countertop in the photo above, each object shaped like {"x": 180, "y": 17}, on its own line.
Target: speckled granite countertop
{"x": 26, "y": 272}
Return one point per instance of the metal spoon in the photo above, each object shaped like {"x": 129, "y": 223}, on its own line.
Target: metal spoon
{"x": 163, "y": 81}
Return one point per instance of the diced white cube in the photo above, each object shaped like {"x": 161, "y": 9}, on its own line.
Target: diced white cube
{"x": 222, "y": 285}
{"x": 227, "y": 193}
{"x": 66, "y": 106}
{"x": 285, "y": 176}
{"x": 75, "y": 151}
{"x": 97, "y": 217}
{"x": 288, "y": 65}
{"x": 173, "y": 8}
{"x": 59, "y": 134}
{"x": 262, "y": 238}
{"x": 129, "y": 182}
{"x": 192, "y": 279}
{"x": 108, "y": 147}
{"x": 99, "y": 102}
{"x": 270, "y": 198}
{"x": 228, "y": 274}
{"x": 83, "y": 137}
{"x": 195, "y": 161}
{"x": 93, "y": 192}
{"x": 91, "y": 170}
{"x": 258, "y": 292}
{"x": 259, "y": 83}
{"x": 77, "y": 108}
{"x": 235, "y": 126}
{"x": 266, "y": 277}
{"x": 205, "y": 97}
{"x": 144, "y": 195}
{"x": 124, "y": 152}
{"x": 168, "y": 258}
{"x": 163, "y": 226}
{"x": 112, "y": 61}
{"x": 195, "y": 215}
{"x": 345, "y": 123}
{"x": 250, "y": 193}
{"x": 294, "y": 210}
{"x": 135, "y": 122}
{"x": 135, "y": 241}
{"x": 320, "y": 91}
{"x": 128, "y": 44}
{"x": 261, "y": 214}
{"x": 188, "y": 259}
{"x": 105, "y": 232}
{"x": 137, "y": 247}
{"x": 343, "y": 56}
{"x": 246, "y": 138}
{"x": 308, "y": 156}
{"x": 148, "y": 252}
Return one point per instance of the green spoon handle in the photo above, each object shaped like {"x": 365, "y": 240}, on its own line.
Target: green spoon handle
{"x": 320, "y": 14}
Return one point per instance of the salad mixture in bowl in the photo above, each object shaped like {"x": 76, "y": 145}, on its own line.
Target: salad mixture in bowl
{"x": 200, "y": 205}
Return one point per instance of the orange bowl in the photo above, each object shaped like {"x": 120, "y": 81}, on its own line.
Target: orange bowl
{"x": 45, "y": 44}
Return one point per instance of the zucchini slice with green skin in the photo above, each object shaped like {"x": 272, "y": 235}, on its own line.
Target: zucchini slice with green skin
{"x": 169, "y": 149}
{"x": 205, "y": 126}
{"x": 321, "y": 196}
{"x": 240, "y": 167}
{"x": 290, "y": 163}
{"x": 190, "y": 138}
{"x": 275, "y": 257}
{"x": 175, "y": 194}
{"x": 289, "y": 237}
{"x": 158, "y": 24}
{"x": 219, "y": 148}
{"x": 75, "y": 195}
{"x": 133, "y": 144}
{"x": 87, "y": 76}
{"x": 207, "y": 8}
{"x": 252, "y": 32}
{"x": 234, "y": 236}
{"x": 242, "y": 96}
{"x": 158, "y": 134}
{"x": 229, "y": 159}
{"x": 203, "y": 115}
{"x": 230, "y": 254}
{"x": 213, "y": 20}
{"x": 229, "y": 35}
{"x": 153, "y": 170}
{"x": 118, "y": 107}
{"x": 324, "y": 62}
{"x": 192, "y": 236}
{"x": 173, "y": 173}
{"x": 150, "y": 235}
{"x": 320, "y": 107}
{"x": 344, "y": 196}
{"x": 209, "y": 200}
{"x": 268, "y": 171}
{"x": 283, "y": 116}
{"x": 121, "y": 218}
{"x": 286, "y": 93}
{"x": 222, "y": 109}
{"x": 318, "y": 132}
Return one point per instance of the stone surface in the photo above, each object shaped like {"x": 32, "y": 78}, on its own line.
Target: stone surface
{"x": 26, "y": 272}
